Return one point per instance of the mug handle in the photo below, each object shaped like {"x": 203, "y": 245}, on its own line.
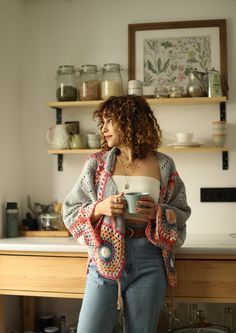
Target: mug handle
{"x": 49, "y": 135}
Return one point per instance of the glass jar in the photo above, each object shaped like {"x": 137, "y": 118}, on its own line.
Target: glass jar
{"x": 66, "y": 83}
{"x": 51, "y": 221}
{"x": 111, "y": 81}
{"x": 88, "y": 83}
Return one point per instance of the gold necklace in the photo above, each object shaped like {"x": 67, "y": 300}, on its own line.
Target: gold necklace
{"x": 126, "y": 176}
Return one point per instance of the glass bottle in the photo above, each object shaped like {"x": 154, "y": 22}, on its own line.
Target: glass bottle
{"x": 88, "y": 83}
{"x": 72, "y": 329}
{"x": 174, "y": 321}
{"x": 192, "y": 314}
{"x": 12, "y": 220}
{"x": 111, "y": 81}
{"x": 200, "y": 317}
{"x": 163, "y": 319}
{"x": 228, "y": 318}
{"x": 66, "y": 83}
{"x": 62, "y": 325}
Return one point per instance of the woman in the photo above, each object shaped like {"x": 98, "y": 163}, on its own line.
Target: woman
{"x": 130, "y": 255}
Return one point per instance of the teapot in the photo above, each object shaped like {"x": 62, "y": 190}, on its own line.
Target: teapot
{"x": 197, "y": 86}
{"x": 58, "y": 137}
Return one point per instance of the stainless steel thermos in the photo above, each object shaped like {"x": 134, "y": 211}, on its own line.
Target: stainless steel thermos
{"x": 12, "y": 220}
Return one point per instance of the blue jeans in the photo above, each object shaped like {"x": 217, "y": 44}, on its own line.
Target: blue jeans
{"x": 143, "y": 283}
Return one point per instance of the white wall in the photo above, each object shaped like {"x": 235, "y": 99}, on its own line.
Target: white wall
{"x": 12, "y": 29}
{"x": 39, "y": 35}
{"x": 55, "y": 32}
{"x": 79, "y": 32}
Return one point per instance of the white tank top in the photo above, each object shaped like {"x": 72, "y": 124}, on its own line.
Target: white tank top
{"x": 138, "y": 184}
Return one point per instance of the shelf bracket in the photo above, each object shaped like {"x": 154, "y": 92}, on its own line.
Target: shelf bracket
{"x": 222, "y": 111}
{"x": 225, "y": 160}
{"x": 58, "y": 116}
{"x": 60, "y": 162}
{"x": 59, "y": 156}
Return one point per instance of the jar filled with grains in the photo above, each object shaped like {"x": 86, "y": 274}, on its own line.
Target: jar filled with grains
{"x": 111, "y": 81}
{"x": 66, "y": 83}
{"x": 88, "y": 83}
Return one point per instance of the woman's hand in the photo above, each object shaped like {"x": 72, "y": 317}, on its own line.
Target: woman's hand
{"x": 111, "y": 206}
{"x": 146, "y": 206}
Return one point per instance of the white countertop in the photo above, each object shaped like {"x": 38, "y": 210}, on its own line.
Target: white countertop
{"x": 195, "y": 243}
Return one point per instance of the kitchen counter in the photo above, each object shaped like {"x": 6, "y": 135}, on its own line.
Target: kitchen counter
{"x": 33, "y": 267}
{"x": 194, "y": 244}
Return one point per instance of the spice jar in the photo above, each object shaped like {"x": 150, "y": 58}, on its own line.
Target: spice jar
{"x": 89, "y": 83}
{"x": 66, "y": 83}
{"x": 111, "y": 81}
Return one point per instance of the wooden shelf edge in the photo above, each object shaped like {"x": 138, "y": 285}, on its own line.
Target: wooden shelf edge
{"x": 41, "y": 293}
{"x": 207, "y": 149}
{"x": 151, "y": 101}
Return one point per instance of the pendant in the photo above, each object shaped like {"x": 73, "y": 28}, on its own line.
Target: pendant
{"x": 126, "y": 186}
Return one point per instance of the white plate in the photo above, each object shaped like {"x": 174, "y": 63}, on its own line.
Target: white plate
{"x": 184, "y": 144}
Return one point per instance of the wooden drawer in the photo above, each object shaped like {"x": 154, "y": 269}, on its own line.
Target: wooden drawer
{"x": 43, "y": 275}
{"x": 209, "y": 279}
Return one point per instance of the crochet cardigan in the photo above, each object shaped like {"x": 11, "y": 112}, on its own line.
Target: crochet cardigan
{"x": 105, "y": 238}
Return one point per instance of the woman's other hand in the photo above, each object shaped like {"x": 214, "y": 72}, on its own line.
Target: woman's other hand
{"x": 146, "y": 206}
{"x": 111, "y": 206}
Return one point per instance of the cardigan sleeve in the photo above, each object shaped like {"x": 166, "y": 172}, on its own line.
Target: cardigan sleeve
{"x": 172, "y": 211}
{"x": 79, "y": 205}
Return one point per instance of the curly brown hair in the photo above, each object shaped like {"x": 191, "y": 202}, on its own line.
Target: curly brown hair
{"x": 138, "y": 127}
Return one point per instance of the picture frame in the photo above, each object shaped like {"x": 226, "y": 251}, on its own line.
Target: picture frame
{"x": 163, "y": 53}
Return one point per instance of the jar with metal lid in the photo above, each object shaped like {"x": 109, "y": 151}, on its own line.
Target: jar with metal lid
{"x": 135, "y": 87}
{"x": 111, "y": 81}
{"x": 88, "y": 83}
{"x": 66, "y": 83}
{"x": 51, "y": 221}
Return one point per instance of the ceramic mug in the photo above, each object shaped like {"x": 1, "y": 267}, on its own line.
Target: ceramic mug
{"x": 132, "y": 198}
{"x": 219, "y": 139}
{"x": 183, "y": 137}
{"x": 78, "y": 141}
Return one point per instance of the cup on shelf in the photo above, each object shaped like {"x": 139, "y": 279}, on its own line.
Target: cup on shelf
{"x": 219, "y": 132}
{"x": 94, "y": 140}
{"x": 219, "y": 127}
{"x": 78, "y": 141}
{"x": 183, "y": 137}
{"x": 219, "y": 139}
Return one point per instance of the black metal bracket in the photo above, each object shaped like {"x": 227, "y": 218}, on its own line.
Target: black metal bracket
{"x": 58, "y": 116}
{"x": 59, "y": 162}
{"x": 222, "y": 111}
{"x": 225, "y": 160}
{"x": 225, "y": 154}
{"x": 59, "y": 156}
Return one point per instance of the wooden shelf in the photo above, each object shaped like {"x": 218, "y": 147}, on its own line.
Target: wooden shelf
{"x": 207, "y": 149}
{"x": 151, "y": 101}
{"x": 221, "y": 101}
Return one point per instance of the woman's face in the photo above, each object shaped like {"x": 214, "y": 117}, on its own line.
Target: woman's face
{"x": 111, "y": 133}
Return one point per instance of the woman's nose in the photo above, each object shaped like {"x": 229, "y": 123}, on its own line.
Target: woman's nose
{"x": 104, "y": 129}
